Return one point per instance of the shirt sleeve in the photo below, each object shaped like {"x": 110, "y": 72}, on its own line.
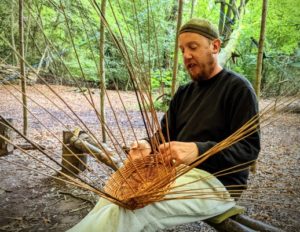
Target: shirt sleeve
{"x": 241, "y": 108}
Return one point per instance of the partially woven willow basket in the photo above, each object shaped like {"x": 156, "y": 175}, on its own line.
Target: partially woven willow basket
{"x": 141, "y": 182}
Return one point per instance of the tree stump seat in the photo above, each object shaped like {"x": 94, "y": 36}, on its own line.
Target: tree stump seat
{"x": 6, "y": 148}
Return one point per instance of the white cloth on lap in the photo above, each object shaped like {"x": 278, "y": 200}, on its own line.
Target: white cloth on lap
{"x": 108, "y": 217}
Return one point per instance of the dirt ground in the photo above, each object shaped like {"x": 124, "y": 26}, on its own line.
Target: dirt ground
{"x": 30, "y": 201}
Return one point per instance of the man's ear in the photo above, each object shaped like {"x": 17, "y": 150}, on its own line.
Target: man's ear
{"x": 216, "y": 46}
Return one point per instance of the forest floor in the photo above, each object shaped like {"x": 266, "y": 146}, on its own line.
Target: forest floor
{"x": 30, "y": 201}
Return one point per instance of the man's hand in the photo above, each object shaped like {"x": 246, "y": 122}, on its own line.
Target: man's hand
{"x": 139, "y": 149}
{"x": 179, "y": 152}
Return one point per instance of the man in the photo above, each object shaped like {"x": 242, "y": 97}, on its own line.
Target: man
{"x": 210, "y": 108}
{"x": 202, "y": 113}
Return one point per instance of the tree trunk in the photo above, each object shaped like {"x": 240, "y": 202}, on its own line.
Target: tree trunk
{"x": 227, "y": 29}
{"x": 192, "y": 8}
{"x": 221, "y": 17}
{"x": 175, "y": 64}
{"x": 171, "y": 19}
{"x": 226, "y": 52}
{"x": 28, "y": 29}
{"x": 102, "y": 73}
{"x": 22, "y": 66}
{"x": 261, "y": 48}
{"x": 231, "y": 38}
{"x": 14, "y": 55}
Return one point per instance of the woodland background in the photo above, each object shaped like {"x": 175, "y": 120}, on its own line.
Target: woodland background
{"x": 281, "y": 61}
{"x": 62, "y": 43}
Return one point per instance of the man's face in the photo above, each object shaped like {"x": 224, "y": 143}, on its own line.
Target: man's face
{"x": 198, "y": 55}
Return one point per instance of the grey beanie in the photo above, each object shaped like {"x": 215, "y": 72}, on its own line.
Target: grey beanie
{"x": 202, "y": 27}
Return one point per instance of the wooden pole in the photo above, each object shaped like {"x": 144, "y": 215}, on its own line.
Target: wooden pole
{"x": 230, "y": 225}
{"x": 14, "y": 55}
{"x": 22, "y": 66}
{"x": 192, "y": 8}
{"x": 175, "y": 63}
{"x": 102, "y": 73}
{"x": 254, "y": 224}
{"x": 261, "y": 48}
{"x": 221, "y": 17}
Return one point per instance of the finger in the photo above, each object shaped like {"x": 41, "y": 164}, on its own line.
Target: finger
{"x": 173, "y": 158}
{"x": 172, "y": 161}
{"x": 134, "y": 145}
{"x": 167, "y": 157}
{"x": 164, "y": 147}
{"x": 133, "y": 153}
{"x": 140, "y": 144}
{"x": 144, "y": 144}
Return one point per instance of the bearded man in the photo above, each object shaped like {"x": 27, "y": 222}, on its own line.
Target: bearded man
{"x": 210, "y": 108}
{"x": 202, "y": 113}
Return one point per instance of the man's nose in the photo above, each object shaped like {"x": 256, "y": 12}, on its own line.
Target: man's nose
{"x": 187, "y": 55}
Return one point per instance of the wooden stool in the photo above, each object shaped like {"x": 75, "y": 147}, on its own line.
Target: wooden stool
{"x": 5, "y": 147}
{"x": 72, "y": 164}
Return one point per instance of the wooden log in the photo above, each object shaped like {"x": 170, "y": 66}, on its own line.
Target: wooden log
{"x": 5, "y": 147}
{"x": 254, "y": 224}
{"x": 230, "y": 225}
{"x": 102, "y": 151}
{"x": 11, "y": 75}
{"x": 72, "y": 163}
{"x": 30, "y": 147}
{"x": 97, "y": 153}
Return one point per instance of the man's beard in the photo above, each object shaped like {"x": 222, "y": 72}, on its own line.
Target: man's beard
{"x": 206, "y": 69}
{"x": 205, "y": 73}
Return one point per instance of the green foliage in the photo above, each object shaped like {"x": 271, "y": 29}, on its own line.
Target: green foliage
{"x": 161, "y": 83}
{"x": 281, "y": 42}
{"x": 8, "y": 25}
{"x": 162, "y": 105}
{"x": 148, "y": 30}
{"x": 161, "y": 78}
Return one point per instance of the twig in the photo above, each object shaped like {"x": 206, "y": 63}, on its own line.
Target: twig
{"x": 31, "y": 147}
{"x": 75, "y": 210}
{"x": 75, "y": 196}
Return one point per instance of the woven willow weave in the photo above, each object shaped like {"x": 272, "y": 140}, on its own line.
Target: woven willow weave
{"x": 136, "y": 184}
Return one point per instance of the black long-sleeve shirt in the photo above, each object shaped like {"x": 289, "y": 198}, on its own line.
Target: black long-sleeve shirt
{"x": 206, "y": 112}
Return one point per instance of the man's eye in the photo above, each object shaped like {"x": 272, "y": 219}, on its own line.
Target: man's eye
{"x": 193, "y": 46}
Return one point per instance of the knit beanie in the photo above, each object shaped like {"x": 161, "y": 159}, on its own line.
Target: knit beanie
{"x": 202, "y": 27}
